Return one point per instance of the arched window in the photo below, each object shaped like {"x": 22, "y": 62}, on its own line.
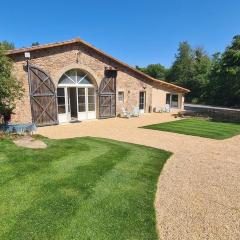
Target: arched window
{"x": 75, "y": 77}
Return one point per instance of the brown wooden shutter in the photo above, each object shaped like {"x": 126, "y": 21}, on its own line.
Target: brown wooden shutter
{"x": 107, "y": 95}
{"x": 42, "y": 97}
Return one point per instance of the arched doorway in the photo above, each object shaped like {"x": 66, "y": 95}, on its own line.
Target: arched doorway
{"x": 76, "y": 95}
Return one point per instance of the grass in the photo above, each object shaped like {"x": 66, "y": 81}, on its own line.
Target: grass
{"x": 81, "y": 188}
{"x": 199, "y": 127}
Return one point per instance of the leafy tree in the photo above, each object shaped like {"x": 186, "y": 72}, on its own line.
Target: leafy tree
{"x": 10, "y": 89}
{"x": 5, "y": 45}
{"x": 154, "y": 70}
{"x": 182, "y": 68}
{"x": 35, "y": 44}
{"x": 224, "y": 86}
{"x": 200, "y": 79}
{"x": 190, "y": 70}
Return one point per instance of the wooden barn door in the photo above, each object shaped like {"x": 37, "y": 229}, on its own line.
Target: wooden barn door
{"x": 107, "y": 95}
{"x": 42, "y": 97}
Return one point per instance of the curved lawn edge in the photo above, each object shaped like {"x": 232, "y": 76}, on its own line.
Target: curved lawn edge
{"x": 84, "y": 188}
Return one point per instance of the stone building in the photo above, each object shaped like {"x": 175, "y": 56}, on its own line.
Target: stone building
{"x": 73, "y": 80}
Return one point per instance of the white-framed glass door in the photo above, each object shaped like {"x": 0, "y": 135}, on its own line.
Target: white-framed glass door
{"x": 76, "y": 96}
{"x": 64, "y": 114}
{"x": 142, "y": 102}
{"x": 91, "y": 103}
{"x": 82, "y": 111}
{"x": 86, "y": 103}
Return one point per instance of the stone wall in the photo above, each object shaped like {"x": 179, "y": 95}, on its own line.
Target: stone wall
{"x": 216, "y": 113}
{"x": 56, "y": 61}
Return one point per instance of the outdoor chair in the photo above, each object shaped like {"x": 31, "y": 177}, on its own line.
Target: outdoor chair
{"x": 125, "y": 113}
{"x": 167, "y": 108}
{"x": 136, "y": 112}
{"x": 159, "y": 109}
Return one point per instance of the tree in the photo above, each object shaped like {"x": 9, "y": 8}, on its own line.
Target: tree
{"x": 201, "y": 70}
{"x": 35, "y": 44}
{"x": 190, "y": 70}
{"x": 5, "y": 45}
{"x": 182, "y": 68}
{"x": 10, "y": 89}
{"x": 154, "y": 70}
{"x": 224, "y": 85}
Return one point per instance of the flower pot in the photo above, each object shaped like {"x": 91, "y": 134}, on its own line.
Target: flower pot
{"x": 7, "y": 118}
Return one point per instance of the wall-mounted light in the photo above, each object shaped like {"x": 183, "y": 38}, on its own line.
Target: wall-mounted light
{"x": 27, "y": 55}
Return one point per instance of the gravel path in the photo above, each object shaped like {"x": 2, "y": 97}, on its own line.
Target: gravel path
{"x": 198, "y": 195}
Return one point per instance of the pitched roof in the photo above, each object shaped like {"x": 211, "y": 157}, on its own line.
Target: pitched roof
{"x": 80, "y": 41}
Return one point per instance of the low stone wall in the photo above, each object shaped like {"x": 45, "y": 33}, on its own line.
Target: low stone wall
{"x": 216, "y": 113}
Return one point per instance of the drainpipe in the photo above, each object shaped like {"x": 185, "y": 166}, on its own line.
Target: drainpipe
{"x": 27, "y": 56}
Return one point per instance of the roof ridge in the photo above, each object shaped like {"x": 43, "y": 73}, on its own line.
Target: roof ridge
{"x": 40, "y": 46}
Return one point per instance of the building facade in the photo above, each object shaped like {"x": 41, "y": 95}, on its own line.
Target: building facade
{"x": 73, "y": 80}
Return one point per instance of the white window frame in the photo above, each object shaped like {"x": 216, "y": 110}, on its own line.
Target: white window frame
{"x": 171, "y": 95}
{"x": 119, "y": 95}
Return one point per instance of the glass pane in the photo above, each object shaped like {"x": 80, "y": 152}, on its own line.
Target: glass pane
{"x": 81, "y": 107}
{"x": 81, "y": 91}
{"x": 91, "y": 107}
{"x": 72, "y": 74}
{"x": 61, "y": 109}
{"x": 81, "y": 99}
{"x": 91, "y": 99}
{"x": 91, "y": 91}
{"x": 61, "y": 100}
{"x": 68, "y": 78}
{"x": 84, "y": 80}
{"x": 141, "y": 100}
{"x": 168, "y": 98}
{"x": 60, "y": 92}
{"x": 175, "y": 100}
{"x": 120, "y": 96}
{"x": 65, "y": 80}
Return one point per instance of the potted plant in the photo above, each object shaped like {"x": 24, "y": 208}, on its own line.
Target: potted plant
{"x": 6, "y": 112}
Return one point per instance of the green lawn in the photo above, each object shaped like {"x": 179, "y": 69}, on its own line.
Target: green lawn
{"x": 199, "y": 127}
{"x": 81, "y": 188}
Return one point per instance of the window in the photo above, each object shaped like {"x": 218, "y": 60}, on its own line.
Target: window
{"x": 172, "y": 100}
{"x": 61, "y": 100}
{"x": 142, "y": 100}
{"x": 74, "y": 77}
{"x": 91, "y": 99}
{"x": 121, "y": 96}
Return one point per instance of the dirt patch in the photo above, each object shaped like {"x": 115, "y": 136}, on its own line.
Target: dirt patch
{"x": 29, "y": 142}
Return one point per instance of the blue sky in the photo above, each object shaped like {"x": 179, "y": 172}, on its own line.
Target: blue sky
{"x": 137, "y": 32}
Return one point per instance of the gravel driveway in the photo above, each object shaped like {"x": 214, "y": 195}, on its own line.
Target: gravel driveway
{"x": 198, "y": 194}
